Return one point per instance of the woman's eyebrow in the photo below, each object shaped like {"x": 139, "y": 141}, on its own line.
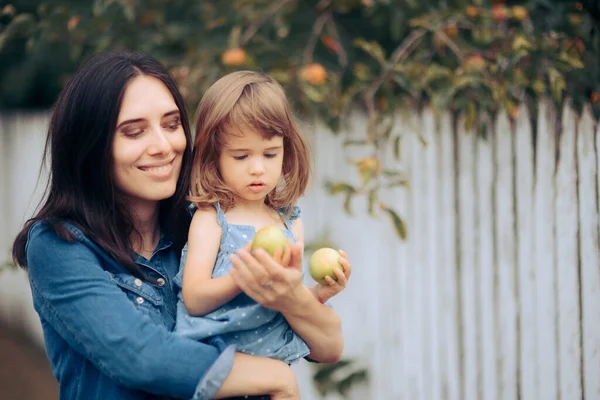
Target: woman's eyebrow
{"x": 129, "y": 121}
{"x": 174, "y": 112}
{"x": 133, "y": 121}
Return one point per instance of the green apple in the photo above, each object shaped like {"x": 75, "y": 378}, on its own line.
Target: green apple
{"x": 270, "y": 238}
{"x": 322, "y": 263}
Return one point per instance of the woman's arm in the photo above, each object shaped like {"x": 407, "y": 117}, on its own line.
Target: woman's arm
{"x": 201, "y": 293}
{"x": 316, "y": 323}
{"x": 255, "y": 376}
{"x": 75, "y": 295}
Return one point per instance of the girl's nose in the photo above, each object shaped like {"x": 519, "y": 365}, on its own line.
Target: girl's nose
{"x": 257, "y": 167}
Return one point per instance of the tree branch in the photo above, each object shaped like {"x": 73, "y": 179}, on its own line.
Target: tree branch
{"x": 446, "y": 39}
{"x": 314, "y": 36}
{"x": 252, "y": 29}
{"x": 342, "y": 57}
{"x": 398, "y": 56}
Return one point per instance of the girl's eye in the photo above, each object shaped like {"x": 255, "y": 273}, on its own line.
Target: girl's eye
{"x": 271, "y": 155}
{"x": 240, "y": 157}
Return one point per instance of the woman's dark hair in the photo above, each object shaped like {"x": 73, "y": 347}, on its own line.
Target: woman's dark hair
{"x": 81, "y": 189}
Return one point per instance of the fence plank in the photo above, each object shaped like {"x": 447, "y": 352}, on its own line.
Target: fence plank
{"x": 485, "y": 263}
{"x": 419, "y": 229}
{"x": 544, "y": 253}
{"x": 397, "y": 284}
{"x": 506, "y": 258}
{"x": 412, "y": 343}
{"x": 527, "y": 339}
{"x": 432, "y": 284}
{"x": 567, "y": 259}
{"x": 468, "y": 271}
{"x": 589, "y": 168}
{"x": 447, "y": 238}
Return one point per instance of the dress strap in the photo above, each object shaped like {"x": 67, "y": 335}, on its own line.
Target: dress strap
{"x": 221, "y": 220}
{"x": 288, "y": 220}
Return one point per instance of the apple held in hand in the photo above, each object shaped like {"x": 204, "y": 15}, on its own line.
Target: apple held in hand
{"x": 269, "y": 238}
{"x": 322, "y": 263}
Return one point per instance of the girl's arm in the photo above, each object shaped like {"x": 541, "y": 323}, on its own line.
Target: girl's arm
{"x": 201, "y": 293}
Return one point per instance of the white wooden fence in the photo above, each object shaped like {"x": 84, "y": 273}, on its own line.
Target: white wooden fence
{"x": 496, "y": 294}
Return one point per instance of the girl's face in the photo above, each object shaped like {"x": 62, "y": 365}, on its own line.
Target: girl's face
{"x": 149, "y": 142}
{"x": 251, "y": 165}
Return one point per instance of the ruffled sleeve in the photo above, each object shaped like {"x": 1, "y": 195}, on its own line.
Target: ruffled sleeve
{"x": 296, "y": 213}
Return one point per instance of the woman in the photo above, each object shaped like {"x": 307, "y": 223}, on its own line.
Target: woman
{"x": 104, "y": 247}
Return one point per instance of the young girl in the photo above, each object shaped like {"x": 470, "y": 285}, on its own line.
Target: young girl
{"x": 250, "y": 166}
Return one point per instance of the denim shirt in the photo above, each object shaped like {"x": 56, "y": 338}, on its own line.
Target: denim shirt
{"x": 108, "y": 334}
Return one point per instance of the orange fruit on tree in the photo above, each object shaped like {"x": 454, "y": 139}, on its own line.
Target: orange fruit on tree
{"x": 234, "y": 57}
{"x": 520, "y": 13}
{"x": 472, "y": 11}
{"x": 315, "y": 74}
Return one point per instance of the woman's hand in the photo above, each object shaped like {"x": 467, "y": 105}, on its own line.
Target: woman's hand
{"x": 259, "y": 376}
{"x": 289, "y": 388}
{"x": 274, "y": 282}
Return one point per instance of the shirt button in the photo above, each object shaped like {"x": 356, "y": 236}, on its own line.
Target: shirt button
{"x": 140, "y": 300}
{"x": 138, "y": 282}
{"x": 160, "y": 281}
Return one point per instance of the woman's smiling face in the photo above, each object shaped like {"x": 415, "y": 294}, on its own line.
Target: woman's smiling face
{"x": 149, "y": 142}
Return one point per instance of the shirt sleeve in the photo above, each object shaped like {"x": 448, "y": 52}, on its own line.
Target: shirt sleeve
{"x": 93, "y": 315}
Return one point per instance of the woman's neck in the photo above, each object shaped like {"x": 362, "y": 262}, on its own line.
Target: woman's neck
{"x": 147, "y": 228}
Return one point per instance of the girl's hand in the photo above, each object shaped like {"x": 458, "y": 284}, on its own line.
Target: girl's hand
{"x": 324, "y": 292}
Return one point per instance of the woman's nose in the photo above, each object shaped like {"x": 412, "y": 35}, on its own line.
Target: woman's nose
{"x": 159, "y": 142}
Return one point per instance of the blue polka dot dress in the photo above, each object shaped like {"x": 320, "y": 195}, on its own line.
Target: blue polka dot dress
{"x": 254, "y": 329}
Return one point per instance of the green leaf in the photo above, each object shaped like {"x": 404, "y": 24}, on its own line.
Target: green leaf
{"x": 396, "y": 147}
{"x": 467, "y": 81}
{"x": 233, "y": 40}
{"x": 373, "y": 48}
{"x": 557, "y": 84}
{"x": 313, "y": 93}
{"x": 372, "y": 198}
{"x": 520, "y": 42}
{"x": 348, "y": 143}
{"x": 335, "y": 188}
{"x": 392, "y": 173}
{"x": 347, "y": 202}
{"x": 571, "y": 61}
{"x": 470, "y": 117}
{"x": 434, "y": 72}
{"x": 399, "y": 224}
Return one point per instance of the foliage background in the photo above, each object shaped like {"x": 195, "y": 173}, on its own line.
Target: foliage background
{"x": 472, "y": 57}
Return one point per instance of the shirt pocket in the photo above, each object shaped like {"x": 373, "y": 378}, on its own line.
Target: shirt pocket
{"x": 144, "y": 296}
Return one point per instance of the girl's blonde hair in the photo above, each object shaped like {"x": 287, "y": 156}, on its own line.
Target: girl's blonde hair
{"x": 251, "y": 100}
